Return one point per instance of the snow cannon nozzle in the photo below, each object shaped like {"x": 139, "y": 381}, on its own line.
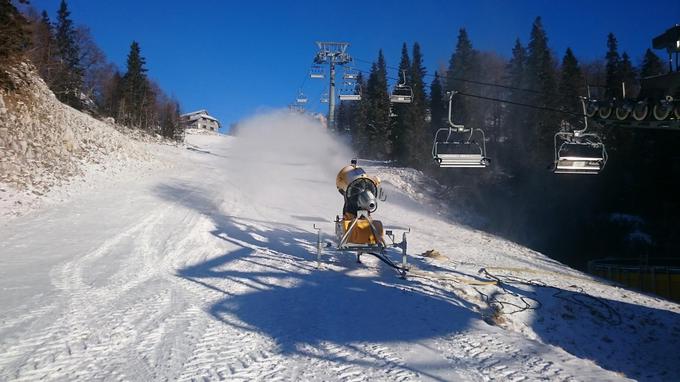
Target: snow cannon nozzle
{"x": 359, "y": 189}
{"x": 366, "y": 201}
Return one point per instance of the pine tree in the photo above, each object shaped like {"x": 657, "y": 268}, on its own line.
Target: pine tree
{"x": 43, "y": 52}
{"x": 135, "y": 90}
{"x": 68, "y": 78}
{"x": 169, "y": 120}
{"x": 14, "y": 38}
{"x": 344, "y": 117}
{"x": 541, "y": 77}
{"x": 540, "y": 66}
{"x": 399, "y": 137}
{"x": 515, "y": 119}
{"x": 437, "y": 104}
{"x": 111, "y": 95}
{"x": 462, "y": 66}
{"x": 571, "y": 83}
{"x": 378, "y": 108}
{"x": 613, "y": 79}
{"x": 516, "y": 68}
{"x": 628, "y": 75}
{"x": 651, "y": 65}
{"x": 417, "y": 129}
{"x": 359, "y": 120}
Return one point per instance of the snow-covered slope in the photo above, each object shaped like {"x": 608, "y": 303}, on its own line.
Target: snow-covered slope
{"x": 205, "y": 270}
{"x": 45, "y": 144}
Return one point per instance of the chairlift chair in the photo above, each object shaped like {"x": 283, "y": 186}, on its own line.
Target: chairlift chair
{"x": 402, "y": 93}
{"x": 317, "y": 72}
{"x": 301, "y": 99}
{"x": 583, "y": 154}
{"x": 350, "y": 74}
{"x": 578, "y": 152}
{"x": 462, "y": 147}
{"x": 350, "y": 92}
{"x": 350, "y": 97}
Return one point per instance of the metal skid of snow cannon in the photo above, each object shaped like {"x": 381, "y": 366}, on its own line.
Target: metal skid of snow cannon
{"x": 356, "y": 231}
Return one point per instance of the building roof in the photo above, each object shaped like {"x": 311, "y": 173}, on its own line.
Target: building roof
{"x": 194, "y": 115}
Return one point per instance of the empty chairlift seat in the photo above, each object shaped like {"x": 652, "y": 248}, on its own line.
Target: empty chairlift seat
{"x": 350, "y": 92}
{"x": 301, "y": 99}
{"x": 350, "y": 97}
{"x": 350, "y": 74}
{"x": 578, "y": 152}
{"x": 402, "y": 93}
{"x": 317, "y": 72}
{"x": 466, "y": 153}
{"x": 579, "y": 155}
{"x": 459, "y": 147}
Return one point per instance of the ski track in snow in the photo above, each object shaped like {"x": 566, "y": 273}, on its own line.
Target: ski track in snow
{"x": 201, "y": 272}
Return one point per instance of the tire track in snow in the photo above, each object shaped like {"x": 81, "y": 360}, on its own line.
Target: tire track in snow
{"x": 487, "y": 358}
{"x": 50, "y": 349}
{"x": 46, "y": 335}
{"x": 225, "y": 352}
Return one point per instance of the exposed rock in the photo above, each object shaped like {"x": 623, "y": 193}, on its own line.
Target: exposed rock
{"x": 44, "y": 142}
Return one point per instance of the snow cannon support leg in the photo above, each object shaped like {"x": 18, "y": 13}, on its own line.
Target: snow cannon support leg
{"x": 318, "y": 246}
{"x": 404, "y": 260}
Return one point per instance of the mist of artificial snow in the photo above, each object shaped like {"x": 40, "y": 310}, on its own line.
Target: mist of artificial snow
{"x": 283, "y": 150}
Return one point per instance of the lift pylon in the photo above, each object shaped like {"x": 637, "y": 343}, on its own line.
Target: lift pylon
{"x": 332, "y": 53}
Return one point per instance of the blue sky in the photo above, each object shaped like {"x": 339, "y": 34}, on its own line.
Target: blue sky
{"x": 237, "y": 57}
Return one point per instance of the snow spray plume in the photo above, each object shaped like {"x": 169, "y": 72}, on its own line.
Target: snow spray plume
{"x": 283, "y": 149}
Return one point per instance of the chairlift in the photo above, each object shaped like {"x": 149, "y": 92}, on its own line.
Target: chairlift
{"x": 402, "y": 93}
{"x": 317, "y": 72}
{"x": 350, "y": 97}
{"x": 578, "y": 152}
{"x": 459, "y": 147}
{"x": 350, "y": 92}
{"x": 296, "y": 107}
{"x": 301, "y": 98}
{"x": 350, "y": 74}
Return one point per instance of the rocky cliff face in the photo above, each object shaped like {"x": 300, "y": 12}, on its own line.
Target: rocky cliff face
{"x": 44, "y": 142}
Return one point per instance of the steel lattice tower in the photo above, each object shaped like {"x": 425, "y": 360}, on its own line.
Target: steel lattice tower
{"x": 332, "y": 53}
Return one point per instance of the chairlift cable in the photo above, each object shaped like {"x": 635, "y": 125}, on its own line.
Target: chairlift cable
{"x": 508, "y": 87}
{"x": 545, "y": 108}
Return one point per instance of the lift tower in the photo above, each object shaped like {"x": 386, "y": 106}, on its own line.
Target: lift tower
{"x": 332, "y": 53}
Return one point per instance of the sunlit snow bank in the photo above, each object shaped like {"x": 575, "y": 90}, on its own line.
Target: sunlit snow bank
{"x": 44, "y": 143}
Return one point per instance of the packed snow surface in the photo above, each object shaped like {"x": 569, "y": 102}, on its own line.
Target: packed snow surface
{"x": 205, "y": 269}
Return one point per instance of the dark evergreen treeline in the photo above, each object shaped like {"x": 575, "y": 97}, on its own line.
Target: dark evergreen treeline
{"x": 568, "y": 217}
{"x": 79, "y": 74}
{"x": 14, "y": 37}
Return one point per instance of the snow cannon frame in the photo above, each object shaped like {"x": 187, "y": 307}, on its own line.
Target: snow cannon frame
{"x": 356, "y": 231}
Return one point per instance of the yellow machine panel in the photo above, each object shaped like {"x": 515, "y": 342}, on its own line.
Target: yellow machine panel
{"x": 348, "y": 174}
{"x": 362, "y": 234}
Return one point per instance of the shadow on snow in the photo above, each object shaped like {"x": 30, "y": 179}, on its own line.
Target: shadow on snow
{"x": 296, "y": 305}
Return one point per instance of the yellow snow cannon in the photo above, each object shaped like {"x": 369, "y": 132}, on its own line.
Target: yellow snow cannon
{"x": 360, "y": 192}
{"x": 356, "y": 231}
